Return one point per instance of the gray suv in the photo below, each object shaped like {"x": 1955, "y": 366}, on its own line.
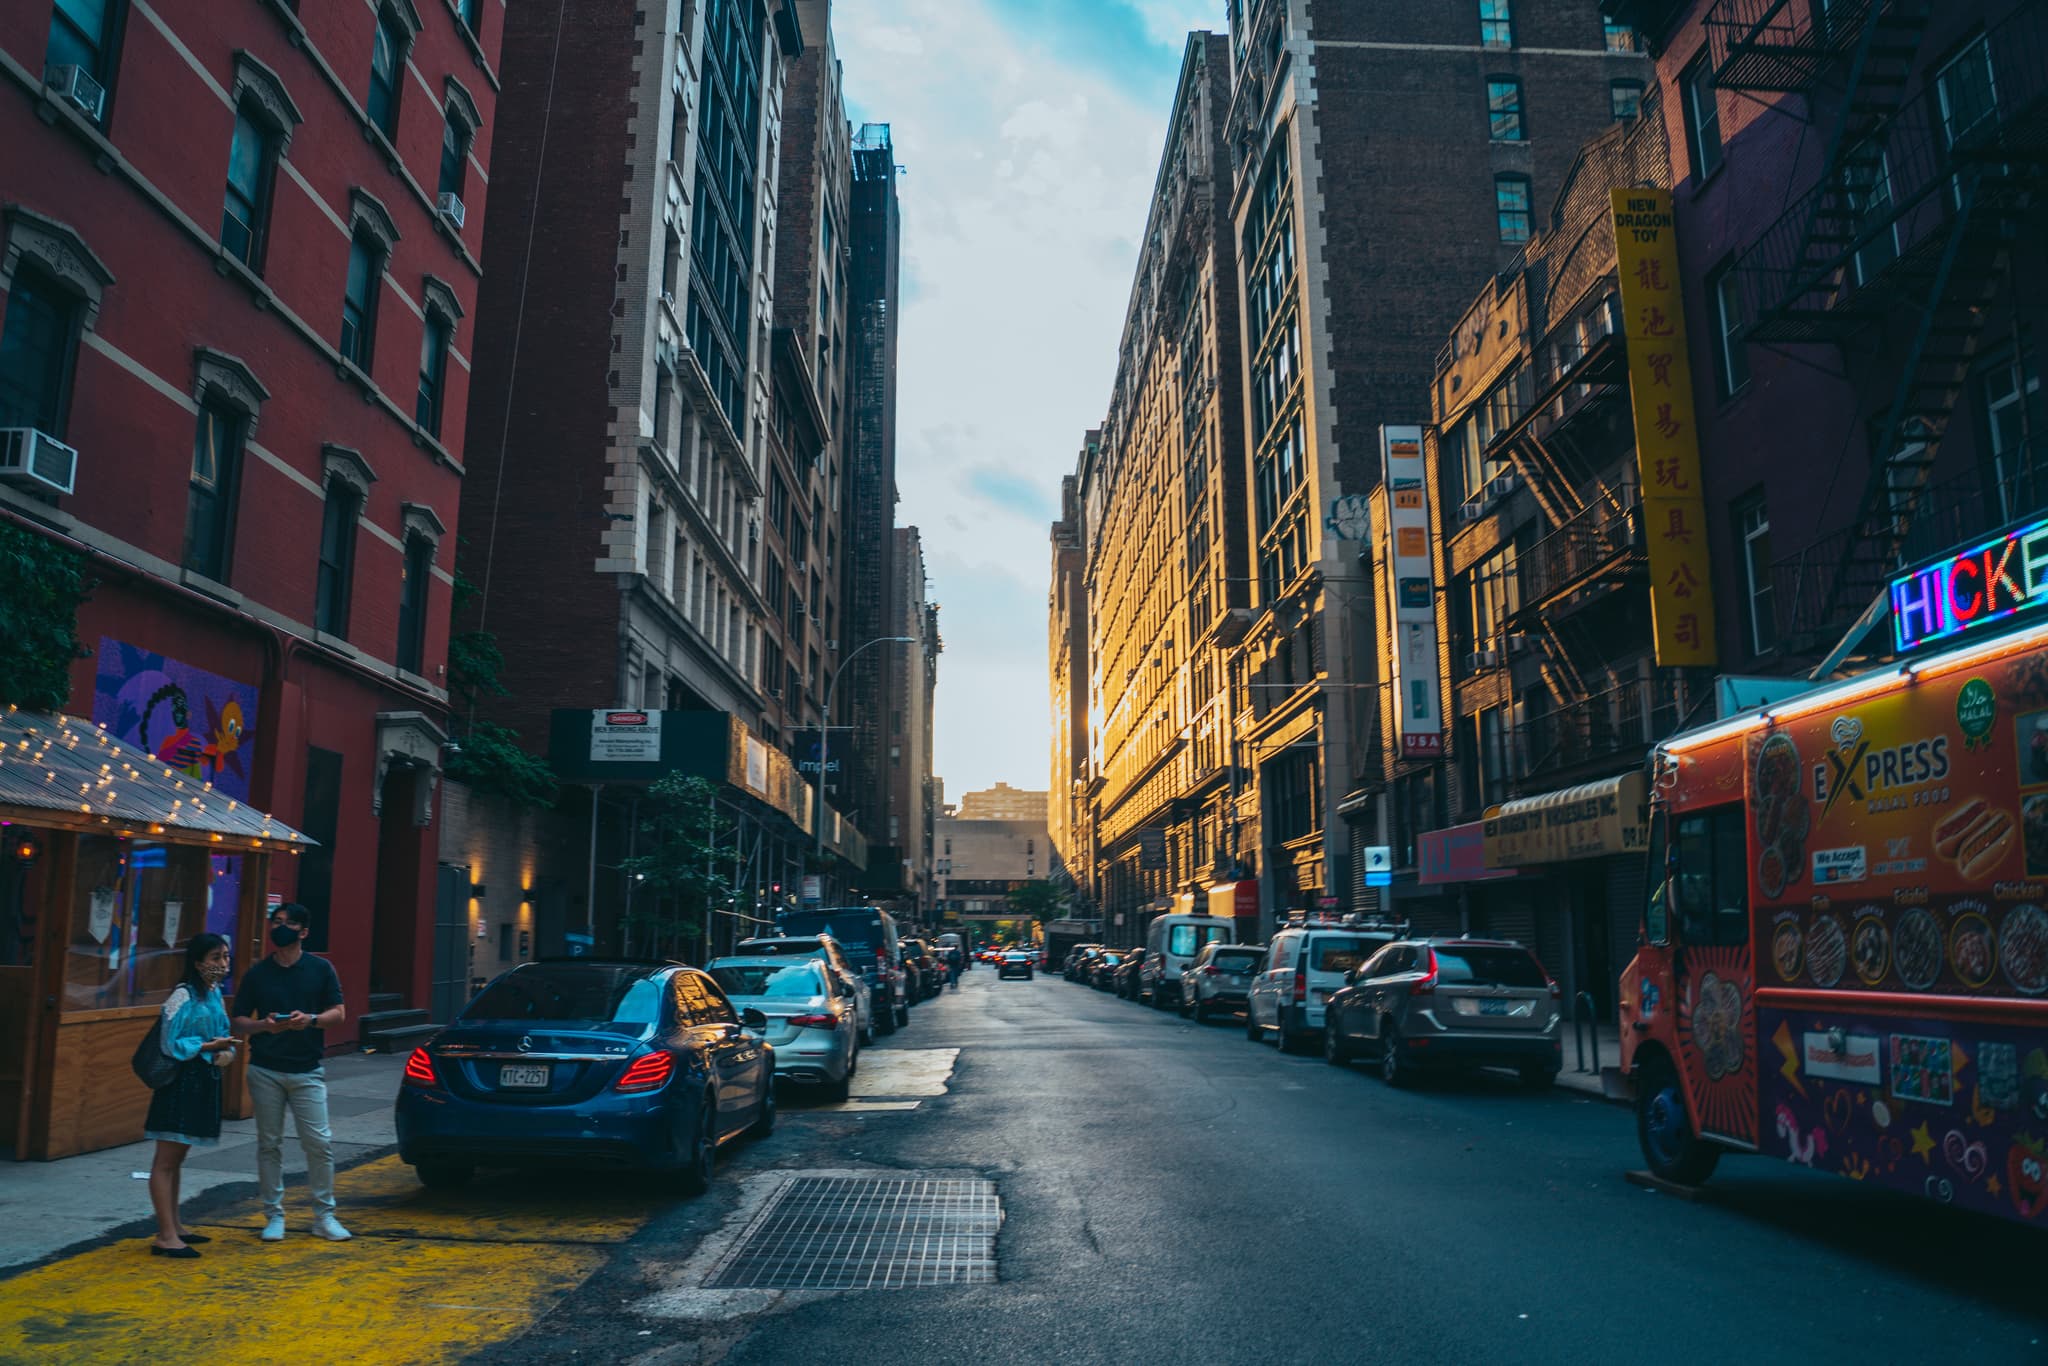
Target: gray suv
{"x": 1219, "y": 980}
{"x": 1421, "y": 1003}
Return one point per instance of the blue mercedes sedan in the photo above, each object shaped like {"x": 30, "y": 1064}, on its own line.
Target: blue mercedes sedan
{"x": 588, "y": 1063}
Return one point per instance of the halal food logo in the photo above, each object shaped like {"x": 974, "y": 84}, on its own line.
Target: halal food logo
{"x": 1843, "y": 760}
{"x": 1976, "y": 713}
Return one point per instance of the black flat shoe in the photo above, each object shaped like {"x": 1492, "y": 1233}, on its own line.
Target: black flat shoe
{"x": 159, "y": 1250}
{"x": 195, "y": 1238}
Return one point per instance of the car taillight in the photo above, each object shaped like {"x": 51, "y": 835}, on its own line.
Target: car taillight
{"x": 419, "y": 1068}
{"x": 1426, "y": 983}
{"x": 647, "y": 1072}
{"x": 1300, "y": 985}
{"x": 1555, "y": 993}
{"x": 815, "y": 1021}
{"x": 1213, "y": 971}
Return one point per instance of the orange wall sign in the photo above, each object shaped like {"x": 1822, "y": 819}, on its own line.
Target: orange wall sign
{"x": 1667, "y": 439}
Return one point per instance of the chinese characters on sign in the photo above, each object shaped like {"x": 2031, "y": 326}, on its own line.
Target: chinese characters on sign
{"x": 1667, "y": 440}
{"x": 1411, "y": 583}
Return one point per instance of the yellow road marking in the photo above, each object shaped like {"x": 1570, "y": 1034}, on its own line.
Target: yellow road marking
{"x": 490, "y": 1260}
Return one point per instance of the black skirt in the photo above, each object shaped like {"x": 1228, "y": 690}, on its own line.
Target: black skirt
{"x": 188, "y": 1110}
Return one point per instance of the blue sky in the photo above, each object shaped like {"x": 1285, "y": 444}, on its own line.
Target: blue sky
{"x": 1031, "y": 131}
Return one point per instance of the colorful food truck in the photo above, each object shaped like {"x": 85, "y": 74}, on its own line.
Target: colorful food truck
{"x": 1844, "y": 956}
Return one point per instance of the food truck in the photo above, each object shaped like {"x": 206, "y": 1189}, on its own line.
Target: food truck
{"x": 1844, "y": 948}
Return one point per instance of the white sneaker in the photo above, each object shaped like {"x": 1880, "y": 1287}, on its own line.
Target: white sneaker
{"x": 328, "y": 1227}
{"x": 273, "y": 1229}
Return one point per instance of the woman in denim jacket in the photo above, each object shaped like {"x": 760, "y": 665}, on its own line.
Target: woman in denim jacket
{"x": 186, "y": 1114}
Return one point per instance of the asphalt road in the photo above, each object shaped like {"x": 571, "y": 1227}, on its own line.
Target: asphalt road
{"x": 1173, "y": 1192}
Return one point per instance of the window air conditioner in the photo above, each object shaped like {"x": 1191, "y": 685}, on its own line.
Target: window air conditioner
{"x": 75, "y": 84}
{"x": 450, "y": 205}
{"x": 1470, "y": 512}
{"x": 1502, "y": 485}
{"x": 37, "y": 459}
{"x": 1516, "y": 642}
{"x": 1481, "y": 659}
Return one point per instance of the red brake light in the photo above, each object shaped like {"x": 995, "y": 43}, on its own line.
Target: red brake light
{"x": 1300, "y": 985}
{"x": 419, "y": 1068}
{"x": 814, "y": 1021}
{"x": 647, "y": 1072}
{"x": 1426, "y": 983}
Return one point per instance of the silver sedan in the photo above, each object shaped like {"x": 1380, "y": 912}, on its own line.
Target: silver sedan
{"x": 813, "y": 1020}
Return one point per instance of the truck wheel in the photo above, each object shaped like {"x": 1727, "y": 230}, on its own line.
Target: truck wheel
{"x": 1673, "y": 1150}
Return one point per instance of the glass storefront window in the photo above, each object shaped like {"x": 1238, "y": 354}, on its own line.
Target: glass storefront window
{"x": 135, "y": 904}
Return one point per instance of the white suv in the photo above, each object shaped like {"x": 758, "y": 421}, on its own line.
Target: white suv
{"x": 1305, "y": 963}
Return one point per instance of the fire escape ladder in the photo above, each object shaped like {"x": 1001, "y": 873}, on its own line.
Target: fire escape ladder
{"x": 1545, "y": 480}
{"x": 1932, "y": 378}
{"x": 1872, "y": 96}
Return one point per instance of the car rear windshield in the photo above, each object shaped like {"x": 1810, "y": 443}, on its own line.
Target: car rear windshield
{"x": 859, "y": 933}
{"x": 1489, "y": 967}
{"x": 802, "y": 980}
{"x": 1240, "y": 961}
{"x": 1338, "y": 953}
{"x": 570, "y": 994}
{"x": 1185, "y": 941}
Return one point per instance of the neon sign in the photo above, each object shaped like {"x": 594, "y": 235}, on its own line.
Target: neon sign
{"x": 1982, "y": 586}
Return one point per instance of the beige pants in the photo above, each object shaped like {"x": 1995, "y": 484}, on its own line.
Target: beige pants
{"x": 305, "y": 1095}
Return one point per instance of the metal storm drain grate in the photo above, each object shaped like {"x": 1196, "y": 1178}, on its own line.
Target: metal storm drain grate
{"x": 862, "y": 1233}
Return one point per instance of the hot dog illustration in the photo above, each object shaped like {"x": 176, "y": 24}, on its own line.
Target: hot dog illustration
{"x": 1986, "y": 845}
{"x": 1948, "y": 836}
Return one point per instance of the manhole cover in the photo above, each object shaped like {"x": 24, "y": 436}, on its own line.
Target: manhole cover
{"x": 862, "y": 1233}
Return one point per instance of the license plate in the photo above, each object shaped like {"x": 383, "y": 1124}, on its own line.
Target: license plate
{"x": 523, "y": 1078}
{"x": 1493, "y": 1007}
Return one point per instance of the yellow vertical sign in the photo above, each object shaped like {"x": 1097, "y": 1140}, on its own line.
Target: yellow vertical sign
{"x": 1667, "y": 438}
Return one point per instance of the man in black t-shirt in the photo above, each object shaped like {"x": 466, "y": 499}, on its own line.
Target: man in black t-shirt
{"x": 284, "y": 1004}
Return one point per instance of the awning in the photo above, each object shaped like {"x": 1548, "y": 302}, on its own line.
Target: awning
{"x": 1235, "y": 900}
{"x": 67, "y": 772}
{"x": 1453, "y": 855}
{"x": 1592, "y": 820}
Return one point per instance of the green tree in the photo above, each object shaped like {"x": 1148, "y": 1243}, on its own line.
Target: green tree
{"x": 1038, "y": 900}
{"x": 41, "y": 587}
{"x": 676, "y": 880}
{"x": 491, "y": 757}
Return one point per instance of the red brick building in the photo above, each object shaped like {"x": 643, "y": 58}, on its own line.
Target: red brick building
{"x": 240, "y": 258}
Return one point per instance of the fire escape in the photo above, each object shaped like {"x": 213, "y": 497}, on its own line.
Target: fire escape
{"x": 1905, "y": 240}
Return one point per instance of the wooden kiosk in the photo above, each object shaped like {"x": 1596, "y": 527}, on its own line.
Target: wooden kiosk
{"x": 111, "y": 862}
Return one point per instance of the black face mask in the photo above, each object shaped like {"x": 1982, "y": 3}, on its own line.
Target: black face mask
{"x": 284, "y": 936}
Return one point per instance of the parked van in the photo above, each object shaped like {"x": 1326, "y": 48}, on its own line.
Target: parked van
{"x": 1171, "y": 943}
{"x": 1306, "y": 962}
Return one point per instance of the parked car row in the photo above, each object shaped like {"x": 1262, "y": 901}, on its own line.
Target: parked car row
{"x": 654, "y": 1066}
{"x": 1352, "y": 989}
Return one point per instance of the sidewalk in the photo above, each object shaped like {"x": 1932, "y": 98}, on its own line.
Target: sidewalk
{"x": 1609, "y": 1049}
{"x": 48, "y": 1206}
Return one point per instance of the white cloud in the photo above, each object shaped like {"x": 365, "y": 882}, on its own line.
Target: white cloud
{"x": 1028, "y": 179}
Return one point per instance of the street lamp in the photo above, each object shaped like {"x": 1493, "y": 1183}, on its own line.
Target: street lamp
{"x": 825, "y": 730}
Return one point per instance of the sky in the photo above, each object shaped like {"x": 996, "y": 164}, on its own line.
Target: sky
{"x": 1030, "y": 132}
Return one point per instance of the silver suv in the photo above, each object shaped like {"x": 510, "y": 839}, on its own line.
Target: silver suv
{"x": 1421, "y": 1003}
{"x": 1219, "y": 979}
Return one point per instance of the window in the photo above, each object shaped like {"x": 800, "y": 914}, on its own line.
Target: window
{"x": 1731, "y": 357}
{"x": 1511, "y": 207}
{"x": 473, "y": 17}
{"x": 2009, "y": 393}
{"x": 1504, "y": 109}
{"x": 337, "y": 557}
{"x": 38, "y": 348}
{"x": 86, "y": 34}
{"x": 1496, "y": 23}
{"x": 1754, "y": 526}
{"x": 387, "y": 66}
{"x": 433, "y": 374}
{"x": 1702, "y": 118}
{"x": 1868, "y": 185}
{"x": 1625, "y": 99}
{"x": 1968, "y": 92}
{"x": 1620, "y": 37}
{"x": 359, "y": 300}
{"x": 455, "y": 136}
{"x": 210, "y": 502}
{"x": 418, "y": 572}
{"x": 252, "y": 162}
{"x": 1711, "y": 878}
{"x": 321, "y": 821}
